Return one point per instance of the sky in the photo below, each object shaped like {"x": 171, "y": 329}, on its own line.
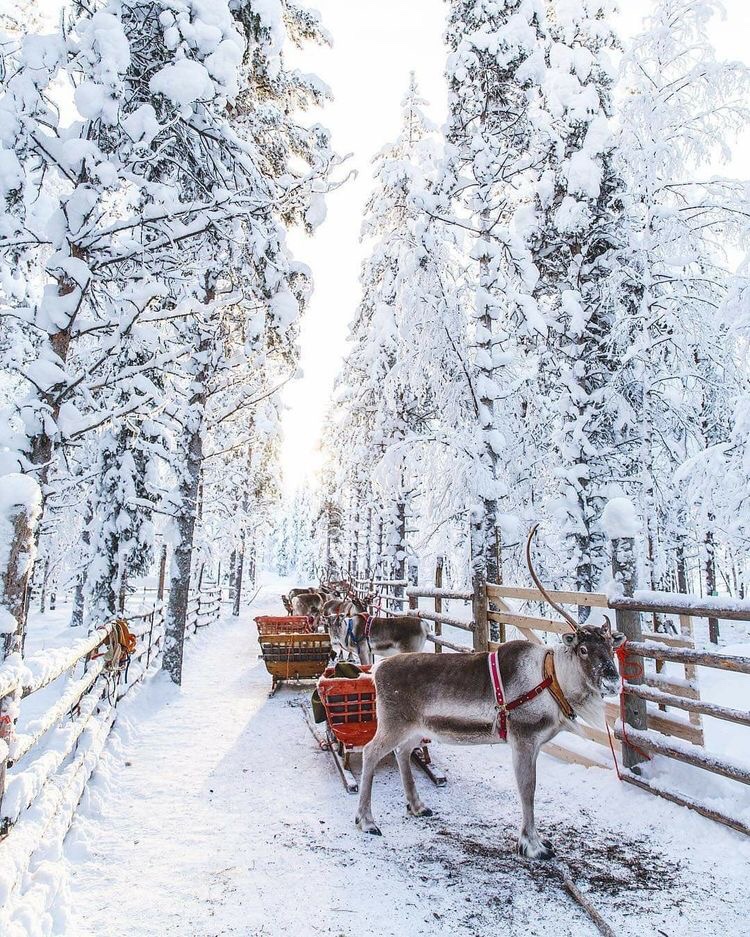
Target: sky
{"x": 376, "y": 44}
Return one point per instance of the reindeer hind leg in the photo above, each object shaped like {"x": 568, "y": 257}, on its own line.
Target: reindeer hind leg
{"x": 414, "y": 803}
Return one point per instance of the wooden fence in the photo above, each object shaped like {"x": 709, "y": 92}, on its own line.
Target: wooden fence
{"x": 659, "y": 712}
{"x": 388, "y": 594}
{"x": 46, "y": 765}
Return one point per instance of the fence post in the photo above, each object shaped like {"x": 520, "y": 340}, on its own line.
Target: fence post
{"x": 480, "y": 636}
{"x": 634, "y": 709}
{"x": 438, "y": 626}
{"x": 412, "y": 574}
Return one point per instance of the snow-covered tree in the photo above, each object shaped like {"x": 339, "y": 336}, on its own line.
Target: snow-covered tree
{"x": 121, "y": 531}
{"x": 377, "y": 411}
{"x": 179, "y": 170}
{"x": 576, "y": 235}
{"x": 495, "y": 56}
{"x": 679, "y": 112}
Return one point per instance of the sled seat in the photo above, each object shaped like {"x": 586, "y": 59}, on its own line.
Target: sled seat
{"x": 350, "y": 706}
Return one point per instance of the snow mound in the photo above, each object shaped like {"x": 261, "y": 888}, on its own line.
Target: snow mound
{"x": 620, "y": 519}
{"x": 183, "y": 83}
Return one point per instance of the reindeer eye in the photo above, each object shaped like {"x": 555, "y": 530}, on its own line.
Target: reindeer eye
{"x": 583, "y": 651}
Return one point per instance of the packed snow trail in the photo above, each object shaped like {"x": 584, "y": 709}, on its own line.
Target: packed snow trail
{"x": 214, "y": 813}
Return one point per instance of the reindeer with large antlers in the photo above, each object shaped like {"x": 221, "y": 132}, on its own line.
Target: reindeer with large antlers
{"x": 523, "y": 694}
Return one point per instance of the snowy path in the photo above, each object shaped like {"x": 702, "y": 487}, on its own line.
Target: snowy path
{"x": 215, "y": 814}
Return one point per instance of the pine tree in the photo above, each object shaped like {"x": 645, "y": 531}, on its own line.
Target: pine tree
{"x": 496, "y": 51}
{"x": 681, "y": 109}
{"x": 378, "y": 411}
{"x": 583, "y": 290}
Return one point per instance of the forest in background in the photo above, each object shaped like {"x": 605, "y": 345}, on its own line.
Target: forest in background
{"x": 554, "y": 305}
{"x": 554, "y": 313}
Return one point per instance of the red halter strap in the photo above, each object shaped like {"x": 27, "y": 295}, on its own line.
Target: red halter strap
{"x": 501, "y": 706}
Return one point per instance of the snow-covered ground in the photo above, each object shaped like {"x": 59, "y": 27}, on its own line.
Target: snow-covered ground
{"x": 215, "y": 813}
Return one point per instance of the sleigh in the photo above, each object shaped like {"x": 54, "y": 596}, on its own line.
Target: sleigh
{"x": 351, "y": 722}
{"x": 291, "y": 648}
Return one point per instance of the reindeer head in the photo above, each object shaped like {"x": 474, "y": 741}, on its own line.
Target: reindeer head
{"x": 594, "y": 652}
{"x": 361, "y": 603}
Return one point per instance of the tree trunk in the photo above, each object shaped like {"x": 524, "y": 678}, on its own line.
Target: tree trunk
{"x": 710, "y": 572}
{"x": 484, "y": 524}
{"x": 232, "y": 572}
{"x": 399, "y": 555}
{"x": 22, "y": 519}
{"x": 79, "y": 594}
{"x": 238, "y": 579}
{"x": 162, "y": 573}
{"x": 682, "y": 582}
{"x": 353, "y": 538}
{"x": 189, "y": 484}
{"x": 252, "y": 572}
{"x": 43, "y": 587}
{"x": 41, "y": 443}
{"x": 378, "y": 547}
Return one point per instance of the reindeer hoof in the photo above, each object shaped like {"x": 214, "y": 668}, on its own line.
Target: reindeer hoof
{"x": 424, "y": 812}
{"x": 541, "y": 851}
{"x": 364, "y": 827}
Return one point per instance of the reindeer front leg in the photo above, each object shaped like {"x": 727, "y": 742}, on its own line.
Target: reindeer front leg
{"x": 373, "y": 753}
{"x": 525, "y": 752}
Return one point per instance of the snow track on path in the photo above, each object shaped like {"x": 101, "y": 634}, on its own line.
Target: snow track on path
{"x": 214, "y": 813}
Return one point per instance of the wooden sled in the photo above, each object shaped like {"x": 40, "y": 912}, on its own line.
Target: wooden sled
{"x": 291, "y": 650}
{"x": 351, "y": 723}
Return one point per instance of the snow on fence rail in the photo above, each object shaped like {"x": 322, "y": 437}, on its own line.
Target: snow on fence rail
{"x": 662, "y": 712}
{"x": 388, "y": 599}
{"x": 45, "y": 768}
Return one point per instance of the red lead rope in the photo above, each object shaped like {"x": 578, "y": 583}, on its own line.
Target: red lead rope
{"x": 631, "y": 668}
{"x": 502, "y": 707}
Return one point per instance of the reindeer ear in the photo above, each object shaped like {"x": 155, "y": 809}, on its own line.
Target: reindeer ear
{"x": 570, "y": 640}
{"x": 618, "y": 638}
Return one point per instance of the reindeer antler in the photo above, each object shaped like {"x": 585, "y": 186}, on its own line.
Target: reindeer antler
{"x": 537, "y": 582}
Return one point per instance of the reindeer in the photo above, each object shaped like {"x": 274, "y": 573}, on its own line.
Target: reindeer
{"x": 326, "y": 592}
{"x": 353, "y": 630}
{"x": 308, "y": 603}
{"x": 288, "y": 599}
{"x": 523, "y": 693}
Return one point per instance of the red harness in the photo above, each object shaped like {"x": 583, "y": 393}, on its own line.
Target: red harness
{"x": 350, "y": 640}
{"x": 502, "y": 707}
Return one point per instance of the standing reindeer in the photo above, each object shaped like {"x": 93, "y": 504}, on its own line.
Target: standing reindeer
{"x": 307, "y": 600}
{"x": 354, "y": 631}
{"x": 523, "y": 693}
